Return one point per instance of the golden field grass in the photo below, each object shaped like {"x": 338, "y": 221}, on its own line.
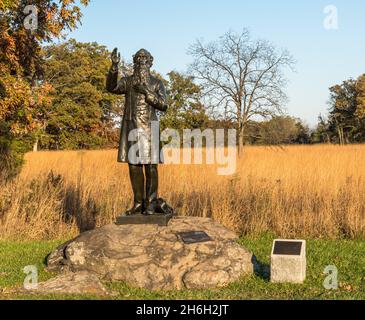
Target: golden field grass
{"x": 296, "y": 191}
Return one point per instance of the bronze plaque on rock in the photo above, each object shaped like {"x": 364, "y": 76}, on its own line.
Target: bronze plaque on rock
{"x": 194, "y": 237}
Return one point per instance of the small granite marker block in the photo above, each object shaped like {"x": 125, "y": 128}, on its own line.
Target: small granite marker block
{"x": 288, "y": 261}
{"x": 161, "y": 220}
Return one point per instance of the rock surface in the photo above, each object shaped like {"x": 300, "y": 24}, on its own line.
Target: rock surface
{"x": 153, "y": 257}
{"x": 73, "y": 284}
{"x": 79, "y": 283}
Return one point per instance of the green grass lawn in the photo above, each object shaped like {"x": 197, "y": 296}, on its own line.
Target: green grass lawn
{"x": 347, "y": 256}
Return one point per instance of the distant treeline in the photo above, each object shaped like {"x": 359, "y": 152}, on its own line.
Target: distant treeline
{"x": 82, "y": 115}
{"x": 78, "y": 113}
{"x": 52, "y": 96}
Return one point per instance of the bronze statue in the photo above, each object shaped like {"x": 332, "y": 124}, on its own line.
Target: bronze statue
{"x": 144, "y": 94}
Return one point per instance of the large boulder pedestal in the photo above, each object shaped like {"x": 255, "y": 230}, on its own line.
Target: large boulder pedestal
{"x": 154, "y": 257}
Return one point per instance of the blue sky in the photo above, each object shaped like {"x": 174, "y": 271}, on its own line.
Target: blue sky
{"x": 167, "y": 27}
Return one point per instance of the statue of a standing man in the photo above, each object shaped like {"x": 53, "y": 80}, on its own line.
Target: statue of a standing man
{"x": 144, "y": 94}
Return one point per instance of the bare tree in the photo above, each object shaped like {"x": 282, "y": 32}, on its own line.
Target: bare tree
{"x": 242, "y": 77}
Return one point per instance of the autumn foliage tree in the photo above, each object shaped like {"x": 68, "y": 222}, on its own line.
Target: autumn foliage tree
{"x": 23, "y": 95}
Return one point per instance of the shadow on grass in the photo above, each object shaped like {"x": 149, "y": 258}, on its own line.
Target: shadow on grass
{"x": 261, "y": 270}
{"x": 80, "y": 209}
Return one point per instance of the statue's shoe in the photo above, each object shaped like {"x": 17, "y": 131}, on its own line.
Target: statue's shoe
{"x": 137, "y": 209}
{"x": 159, "y": 207}
{"x": 151, "y": 209}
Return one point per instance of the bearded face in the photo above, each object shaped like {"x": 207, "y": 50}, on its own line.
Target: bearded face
{"x": 141, "y": 73}
{"x": 142, "y": 66}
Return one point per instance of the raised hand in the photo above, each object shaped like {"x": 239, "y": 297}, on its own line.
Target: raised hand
{"x": 116, "y": 57}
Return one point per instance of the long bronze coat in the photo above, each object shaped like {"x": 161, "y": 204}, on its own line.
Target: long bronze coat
{"x": 140, "y": 110}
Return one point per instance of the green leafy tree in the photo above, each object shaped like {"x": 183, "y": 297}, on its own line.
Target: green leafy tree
{"x": 281, "y": 130}
{"x": 185, "y": 108}
{"x": 347, "y": 111}
{"x": 303, "y": 135}
{"x": 342, "y": 115}
{"x": 322, "y": 133}
{"x": 346, "y": 119}
{"x": 83, "y": 115}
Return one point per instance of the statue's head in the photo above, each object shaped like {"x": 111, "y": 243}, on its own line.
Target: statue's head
{"x": 143, "y": 58}
{"x": 143, "y": 61}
